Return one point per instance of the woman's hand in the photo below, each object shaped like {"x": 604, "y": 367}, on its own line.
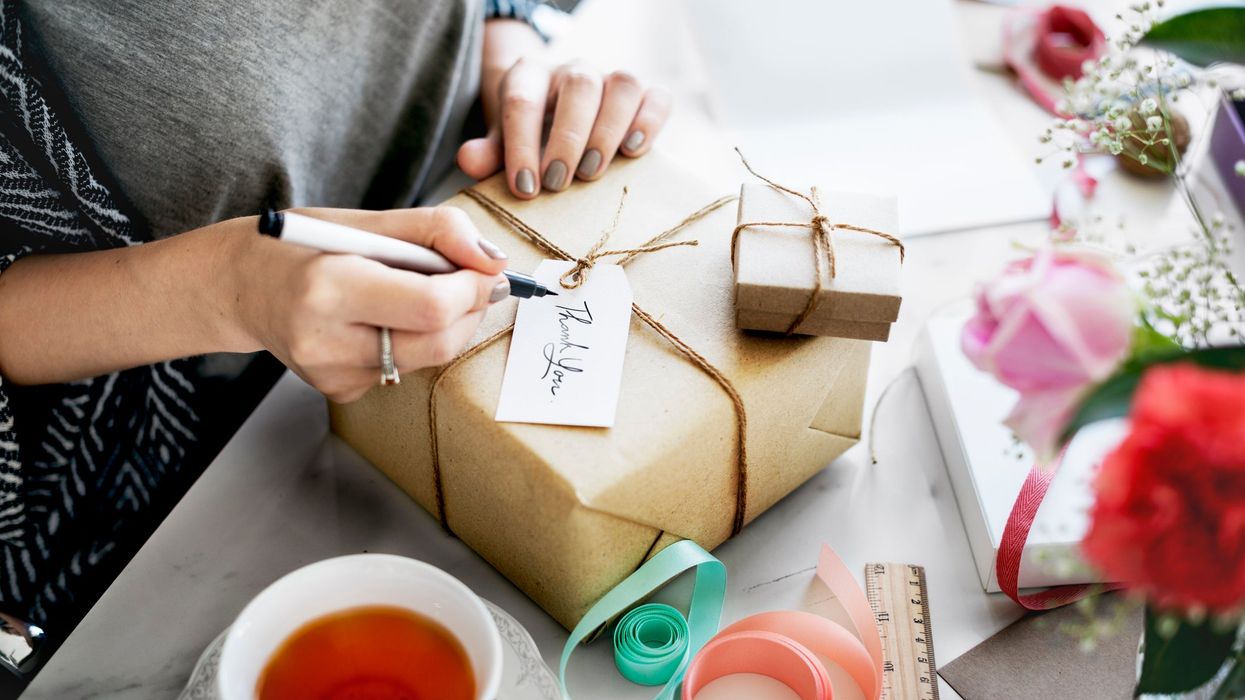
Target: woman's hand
{"x": 320, "y": 314}
{"x": 225, "y": 288}
{"x": 594, "y": 117}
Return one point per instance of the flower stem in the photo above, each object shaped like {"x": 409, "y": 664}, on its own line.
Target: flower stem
{"x": 1179, "y": 172}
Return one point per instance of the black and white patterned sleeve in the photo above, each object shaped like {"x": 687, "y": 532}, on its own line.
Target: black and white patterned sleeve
{"x": 79, "y": 462}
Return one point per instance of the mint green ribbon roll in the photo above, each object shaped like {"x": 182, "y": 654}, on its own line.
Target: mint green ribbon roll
{"x": 704, "y": 613}
{"x": 649, "y": 643}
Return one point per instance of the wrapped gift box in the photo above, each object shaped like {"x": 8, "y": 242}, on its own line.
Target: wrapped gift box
{"x": 987, "y": 466}
{"x": 776, "y": 272}
{"x": 566, "y": 513}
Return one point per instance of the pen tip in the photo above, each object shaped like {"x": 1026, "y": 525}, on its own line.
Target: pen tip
{"x": 551, "y": 294}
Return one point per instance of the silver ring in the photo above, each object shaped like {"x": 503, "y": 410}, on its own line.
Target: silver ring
{"x": 388, "y": 373}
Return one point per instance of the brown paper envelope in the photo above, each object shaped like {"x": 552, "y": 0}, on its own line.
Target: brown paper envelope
{"x": 775, "y": 266}
{"x": 1037, "y": 657}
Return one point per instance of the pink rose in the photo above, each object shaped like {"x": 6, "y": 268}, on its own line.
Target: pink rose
{"x": 1051, "y": 326}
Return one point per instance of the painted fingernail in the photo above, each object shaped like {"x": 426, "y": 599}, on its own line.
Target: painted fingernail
{"x": 501, "y": 291}
{"x": 491, "y": 250}
{"x": 555, "y": 176}
{"x": 634, "y": 141}
{"x": 589, "y": 163}
{"x": 525, "y": 182}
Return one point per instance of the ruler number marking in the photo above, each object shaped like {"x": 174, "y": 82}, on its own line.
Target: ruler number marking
{"x": 907, "y": 645}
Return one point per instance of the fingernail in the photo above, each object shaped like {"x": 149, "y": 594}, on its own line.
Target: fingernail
{"x": 589, "y": 163}
{"x": 634, "y": 141}
{"x": 492, "y": 250}
{"x": 501, "y": 291}
{"x": 555, "y": 176}
{"x": 525, "y": 182}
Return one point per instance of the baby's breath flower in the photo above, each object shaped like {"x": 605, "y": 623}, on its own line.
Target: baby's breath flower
{"x": 1118, "y": 106}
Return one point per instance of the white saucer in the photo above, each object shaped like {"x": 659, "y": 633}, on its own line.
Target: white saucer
{"x": 524, "y": 676}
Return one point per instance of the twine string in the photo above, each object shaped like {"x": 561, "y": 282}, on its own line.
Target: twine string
{"x": 822, "y": 239}
{"x": 659, "y": 242}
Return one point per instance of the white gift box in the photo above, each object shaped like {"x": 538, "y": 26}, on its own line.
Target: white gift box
{"x": 987, "y": 466}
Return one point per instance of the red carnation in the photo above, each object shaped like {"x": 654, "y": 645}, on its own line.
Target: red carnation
{"x": 1170, "y": 514}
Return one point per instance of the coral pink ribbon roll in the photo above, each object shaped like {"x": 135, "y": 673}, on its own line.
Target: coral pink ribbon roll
{"x": 786, "y": 645}
{"x": 767, "y": 653}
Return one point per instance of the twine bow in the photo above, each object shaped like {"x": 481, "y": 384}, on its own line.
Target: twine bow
{"x": 822, "y": 231}
{"x": 575, "y": 277}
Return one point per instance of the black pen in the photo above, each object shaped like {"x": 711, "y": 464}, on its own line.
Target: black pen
{"x": 336, "y": 238}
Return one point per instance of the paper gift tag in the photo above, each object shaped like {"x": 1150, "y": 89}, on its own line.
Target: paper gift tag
{"x": 566, "y": 352}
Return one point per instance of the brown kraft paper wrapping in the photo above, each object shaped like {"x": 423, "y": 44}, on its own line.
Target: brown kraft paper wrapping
{"x": 566, "y": 512}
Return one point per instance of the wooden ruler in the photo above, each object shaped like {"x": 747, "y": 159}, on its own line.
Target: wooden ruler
{"x": 900, "y": 605}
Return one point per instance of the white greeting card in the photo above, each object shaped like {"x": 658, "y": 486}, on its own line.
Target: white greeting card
{"x": 566, "y": 352}
{"x": 865, "y": 97}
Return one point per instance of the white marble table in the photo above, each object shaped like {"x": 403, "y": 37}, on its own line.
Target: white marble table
{"x": 285, "y": 493}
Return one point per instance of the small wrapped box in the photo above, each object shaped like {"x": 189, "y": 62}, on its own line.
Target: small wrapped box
{"x": 776, "y": 270}
{"x": 568, "y": 512}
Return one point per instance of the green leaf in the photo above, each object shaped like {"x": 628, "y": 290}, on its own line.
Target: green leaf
{"x": 1149, "y": 343}
{"x": 1202, "y": 37}
{"x": 1186, "y": 659}
{"x": 1114, "y": 397}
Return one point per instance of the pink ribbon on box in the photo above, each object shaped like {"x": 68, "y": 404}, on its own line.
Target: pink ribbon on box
{"x": 1016, "y": 535}
{"x": 786, "y": 645}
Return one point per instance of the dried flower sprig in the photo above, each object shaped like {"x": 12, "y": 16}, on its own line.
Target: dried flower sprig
{"x": 1193, "y": 296}
{"x": 1123, "y": 105}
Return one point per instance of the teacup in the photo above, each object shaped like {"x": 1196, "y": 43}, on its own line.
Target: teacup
{"x": 355, "y": 581}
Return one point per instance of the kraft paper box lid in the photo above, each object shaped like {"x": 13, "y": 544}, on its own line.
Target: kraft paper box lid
{"x": 564, "y": 512}
{"x": 813, "y": 325}
{"x": 775, "y": 269}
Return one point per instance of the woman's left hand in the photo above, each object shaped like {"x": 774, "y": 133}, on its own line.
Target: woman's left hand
{"x": 594, "y": 117}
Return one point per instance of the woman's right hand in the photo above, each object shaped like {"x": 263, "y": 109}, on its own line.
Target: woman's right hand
{"x": 320, "y": 313}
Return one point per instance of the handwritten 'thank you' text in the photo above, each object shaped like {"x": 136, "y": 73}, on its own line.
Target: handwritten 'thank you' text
{"x": 553, "y": 376}
{"x": 565, "y": 355}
